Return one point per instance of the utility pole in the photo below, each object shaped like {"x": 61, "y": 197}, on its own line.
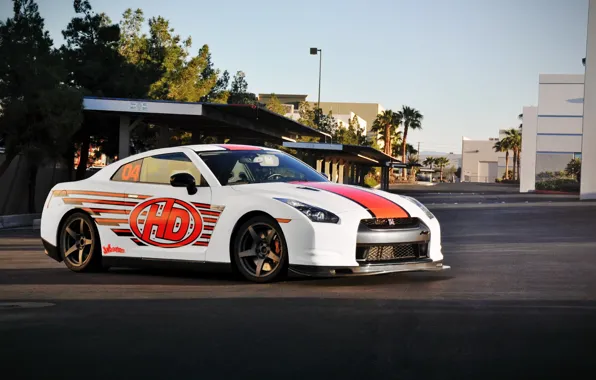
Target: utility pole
{"x": 418, "y": 154}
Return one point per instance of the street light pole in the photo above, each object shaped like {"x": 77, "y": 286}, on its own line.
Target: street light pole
{"x": 314, "y": 51}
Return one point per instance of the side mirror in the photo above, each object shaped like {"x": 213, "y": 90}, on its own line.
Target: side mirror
{"x": 184, "y": 180}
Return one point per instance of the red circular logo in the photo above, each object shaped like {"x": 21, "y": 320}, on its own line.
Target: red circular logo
{"x": 166, "y": 222}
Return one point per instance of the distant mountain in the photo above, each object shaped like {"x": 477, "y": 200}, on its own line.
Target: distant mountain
{"x": 433, "y": 153}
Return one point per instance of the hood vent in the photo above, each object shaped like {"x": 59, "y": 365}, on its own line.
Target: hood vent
{"x": 307, "y": 188}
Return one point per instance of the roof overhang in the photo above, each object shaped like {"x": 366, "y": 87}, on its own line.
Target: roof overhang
{"x": 364, "y": 155}
{"x": 246, "y": 121}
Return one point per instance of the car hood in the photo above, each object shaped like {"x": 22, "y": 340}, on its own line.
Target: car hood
{"x": 333, "y": 197}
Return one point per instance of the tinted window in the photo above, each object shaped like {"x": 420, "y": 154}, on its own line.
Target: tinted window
{"x": 158, "y": 169}
{"x": 130, "y": 172}
{"x": 242, "y": 167}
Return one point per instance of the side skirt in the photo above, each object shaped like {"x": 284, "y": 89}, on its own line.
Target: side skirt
{"x": 171, "y": 264}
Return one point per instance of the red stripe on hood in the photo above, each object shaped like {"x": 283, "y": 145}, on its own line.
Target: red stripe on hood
{"x": 239, "y": 147}
{"x": 378, "y": 206}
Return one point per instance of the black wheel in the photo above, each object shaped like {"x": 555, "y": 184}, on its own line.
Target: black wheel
{"x": 79, "y": 244}
{"x": 260, "y": 252}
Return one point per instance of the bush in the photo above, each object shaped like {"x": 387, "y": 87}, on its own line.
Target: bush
{"x": 559, "y": 184}
{"x": 370, "y": 181}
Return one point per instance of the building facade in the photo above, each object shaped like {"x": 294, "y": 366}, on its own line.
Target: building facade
{"x": 552, "y": 131}
{"x": 480, "y": 162}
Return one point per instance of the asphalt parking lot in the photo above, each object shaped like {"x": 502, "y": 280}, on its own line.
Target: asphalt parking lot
{"x": 519, "y": 302}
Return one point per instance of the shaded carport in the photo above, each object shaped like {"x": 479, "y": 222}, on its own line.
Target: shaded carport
{"x": 247, "y": 124}
{"x": 345, "y": 163}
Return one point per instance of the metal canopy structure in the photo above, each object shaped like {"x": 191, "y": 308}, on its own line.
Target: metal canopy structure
{"x": 346, "y": 163}
{"x": 240, "y": 123}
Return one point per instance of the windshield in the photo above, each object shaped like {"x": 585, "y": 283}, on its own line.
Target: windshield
{"x": 244, "y": 167}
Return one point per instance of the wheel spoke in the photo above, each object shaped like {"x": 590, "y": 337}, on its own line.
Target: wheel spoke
{"x": 70, "y": 250}
{"x": 82, "y": 227}
{"x": 253, "y": 234}
{"x": 259, "y": 266}
{"x": 88, "y": 242}
{"x": 81, "y": 256}
{"x": 71, "y": 232}
{"x": 273, "y": 257}
{"x": 270, "y": 235}
{"x": 247, "y": 253}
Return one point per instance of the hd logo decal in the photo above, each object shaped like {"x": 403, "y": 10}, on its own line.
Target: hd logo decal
{"x": 161, "y": 222}
{"x": 166, "y": 222}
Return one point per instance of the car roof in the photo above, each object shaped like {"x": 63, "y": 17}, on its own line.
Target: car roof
{"x": 109, "y": 170}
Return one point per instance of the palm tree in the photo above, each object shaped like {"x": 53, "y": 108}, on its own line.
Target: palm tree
{"x": 412, "y": 119}
{"x": 387, "y": 123}
{"x": 429, "y": 161}
{"x": 441, "y": 162}
{"x": 513, "y": 140}
{"x": 414, "y": 161}
{"x": 503, "y": 146}
{"x": 396, "y": 144}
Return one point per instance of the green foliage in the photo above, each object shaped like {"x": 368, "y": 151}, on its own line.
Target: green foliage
{"x": 352, "y": 135}
{"x": 370, "y": 181}
{"x": 387, "y": 124}
{"x": 574, "y": 168}
{"x": 559, "y": 184}
{"x": 274, "y": 105}
{"x": 239, "y": 91}
{"x": 429, "y": 161}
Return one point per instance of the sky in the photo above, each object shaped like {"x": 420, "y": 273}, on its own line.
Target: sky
{"x": 469, "y": 66}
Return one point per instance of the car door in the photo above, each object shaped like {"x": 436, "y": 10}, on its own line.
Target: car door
{"x": 169, "y": 222}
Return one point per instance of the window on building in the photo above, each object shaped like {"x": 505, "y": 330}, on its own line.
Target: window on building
{"x": 577, "y": 155}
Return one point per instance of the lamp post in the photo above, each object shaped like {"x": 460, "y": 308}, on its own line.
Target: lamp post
{"x": 315, "y": 51}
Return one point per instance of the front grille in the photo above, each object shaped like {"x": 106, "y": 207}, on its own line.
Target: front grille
{"x": 390, "y": 223}
{"x": 392, "y": 253}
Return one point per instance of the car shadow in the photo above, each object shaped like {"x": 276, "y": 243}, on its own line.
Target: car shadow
{"x": 181, "y": 277}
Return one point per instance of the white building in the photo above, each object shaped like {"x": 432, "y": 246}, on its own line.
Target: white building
{"x": 552, "y": 131}
{"x": 480, "y": 162}
{"x": 563, "y": 125}
{"x": 343, "y": 121}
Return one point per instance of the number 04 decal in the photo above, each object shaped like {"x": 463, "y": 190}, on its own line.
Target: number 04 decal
{"x": 131, "y": 172}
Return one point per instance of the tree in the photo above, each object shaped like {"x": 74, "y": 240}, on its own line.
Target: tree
{"x": 274, "y": 105}
{"x": 441, "y": 162}
{"x": 412, "y": 119}
{"x": 39, "y": 113}
{"x": 574, "y": 168}
{"x": 387, "y": 123}
{"x": 512, "y": 140}
{"x": 239, "y": 91}
{"x": 429, "y": 161}
{"x": 352, "y": 135}
{"x": 503, "y": 146}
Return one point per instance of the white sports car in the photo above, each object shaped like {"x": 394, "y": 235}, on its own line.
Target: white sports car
{"x": 257, "y": 210}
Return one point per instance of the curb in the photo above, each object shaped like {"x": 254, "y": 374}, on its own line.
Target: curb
{"x": 21, "y": 220}
{"x": 555, "y": 192}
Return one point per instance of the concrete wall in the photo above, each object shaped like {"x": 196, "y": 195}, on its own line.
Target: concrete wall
{"x": 588, "y": 177}
{"x": 480, "y": 162}
{"x": 527, "y": 168}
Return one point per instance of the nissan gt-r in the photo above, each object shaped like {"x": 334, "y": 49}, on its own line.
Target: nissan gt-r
{"x": 258, "y": 211}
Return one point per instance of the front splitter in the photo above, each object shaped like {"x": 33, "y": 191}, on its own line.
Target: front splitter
{"x": 370, "y": 269}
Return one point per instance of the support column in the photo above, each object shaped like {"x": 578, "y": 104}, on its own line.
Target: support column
{"x": 588, "y": 172}
{"x": 196, "y": 137}
{"x": 164, "y": 137}
{"x": 340, "y": 171}
{"x": 124, "y": 138}
{"x": 319, "y": 166}
{"x": 527, "y": 170}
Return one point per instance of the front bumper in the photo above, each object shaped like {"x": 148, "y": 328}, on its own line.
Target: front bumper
{"x": 370, "y": 269}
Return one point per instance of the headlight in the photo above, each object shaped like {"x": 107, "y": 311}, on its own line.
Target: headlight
{"x": 313, "y": 213}
{"x": 423, "y": 207}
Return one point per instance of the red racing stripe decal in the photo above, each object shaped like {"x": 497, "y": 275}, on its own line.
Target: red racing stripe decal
{"x": 239, "y": 147}
{"x": 376, "y": 205}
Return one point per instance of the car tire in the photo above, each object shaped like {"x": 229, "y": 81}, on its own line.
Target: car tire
{"x": 79, "y": 244}
{"x": 259, "y": 250}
